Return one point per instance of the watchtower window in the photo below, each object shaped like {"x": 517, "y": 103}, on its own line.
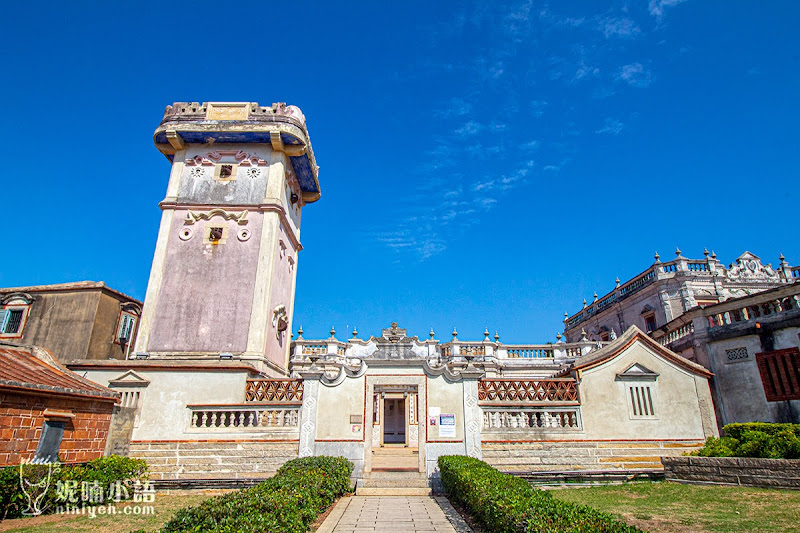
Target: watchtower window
{"x": 215, "y": 234}
{"x": 225, "y": 172}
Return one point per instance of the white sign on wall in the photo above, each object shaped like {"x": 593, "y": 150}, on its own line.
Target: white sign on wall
{"x": 447, "y": 425}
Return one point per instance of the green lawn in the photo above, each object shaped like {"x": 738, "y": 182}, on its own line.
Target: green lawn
{"x": 164, "y": 506}
{"x": 675, "y": 507}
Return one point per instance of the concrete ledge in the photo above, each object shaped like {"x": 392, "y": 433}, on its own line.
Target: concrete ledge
{"x": 390, "y": 491}
{"x": 744, "y": 471}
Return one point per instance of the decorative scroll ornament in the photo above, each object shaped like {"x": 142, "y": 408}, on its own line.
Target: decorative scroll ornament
{"x": 280, "y": 320}
{"x": 748, "y": 267}
{"x": 192, "y": 217}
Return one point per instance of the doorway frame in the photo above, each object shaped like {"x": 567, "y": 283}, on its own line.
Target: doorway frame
{"x": 418, "y": 380}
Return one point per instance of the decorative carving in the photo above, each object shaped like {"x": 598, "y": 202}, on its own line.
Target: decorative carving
{"x": 192, "y": 216}
{"x": 197, "y": 172}
{"x": 280, "y": 319}
{"x": 243, "y": 158}
{"x": 274, "y": 390}
{"x": 243, "y": 234}
{"x": 748, "y": 267}
{"x": 185, "y": 234}
{"x": 546, "y": 390}
{"x": 253, "y": 172}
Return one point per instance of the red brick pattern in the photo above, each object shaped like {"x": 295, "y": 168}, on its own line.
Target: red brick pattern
{"x": 22, "y": 417}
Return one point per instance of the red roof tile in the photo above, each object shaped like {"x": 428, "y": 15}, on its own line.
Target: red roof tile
{"x": 35, "y": 369}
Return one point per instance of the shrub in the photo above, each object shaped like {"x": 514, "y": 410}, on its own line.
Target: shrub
{"x": 506, "y": 504}
{"x": 288, "y": 502}
{"x": 756, "y": 439}
{"x": 106, "y": 472}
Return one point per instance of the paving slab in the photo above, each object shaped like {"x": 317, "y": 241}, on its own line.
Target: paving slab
{"x": 393, "y": 514}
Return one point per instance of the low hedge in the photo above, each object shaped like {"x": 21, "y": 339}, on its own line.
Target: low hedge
{"x": 506, "y": 504}
{"x": 288, "y": 502}
{"x": 755, "y": 439}
{"x": 106, "y": 478}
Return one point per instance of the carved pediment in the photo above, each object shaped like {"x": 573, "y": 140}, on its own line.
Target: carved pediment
{"x": 129, "y": 379}
{"x": 748, "y": 267}
{"x": 637, "y": 372}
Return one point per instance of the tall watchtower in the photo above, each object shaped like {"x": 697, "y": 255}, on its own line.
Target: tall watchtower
{"x": 222, "y": 282}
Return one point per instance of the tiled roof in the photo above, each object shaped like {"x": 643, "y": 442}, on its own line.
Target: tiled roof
{"x": 72, "y": 286}
{"x": 35, "y": 369}
{"x": 633, "y": 334}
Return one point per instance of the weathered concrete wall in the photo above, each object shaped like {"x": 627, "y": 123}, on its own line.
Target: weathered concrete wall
{"x": 739, "y": 381}
{"x": 199, "y": 186}
{"x": 62, "y": 322}
{"x": 207, "y": 289}
{"x": 449, "y": 398}
{"x": 772, "y": 473}
{"x": 163, "y": 411}
{"x": 213, "y": 459}
{"x": 120, "y": 431}
{"x": 282, "y": 293}
{"x": 554, "y": 455}
{"x": 682, "y": 401}
{"x": 76, "y": 323}
{"x": 336, "y": 405}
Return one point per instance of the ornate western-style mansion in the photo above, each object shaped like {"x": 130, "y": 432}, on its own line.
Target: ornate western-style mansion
{"x": 216, "y": 388}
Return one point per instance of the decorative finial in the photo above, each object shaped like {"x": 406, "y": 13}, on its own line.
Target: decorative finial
{"x": 595, "y": 296}
{"x": 782, "y": 259}
{"x": 355, "y": 332}
{"x": 566, "y": 315}
{"x": 558, "y": 336}
{"x": 677, "y": 251}
{"x": 431, "y": 334}
{"x": 705, "y": 252}
{"x": 584, "y": 303}
{"x": 496, "y": 336}
{"x": 617, "y": 281}
{"x": 333, "y": 331}
{"x": 300, "y": 333}
{"x": 455, "y": 333}
{"x": 613, "y": 335}
{"x": 486, "y": 334}
{"x": 713, "y": 255}
{"x": 657, "y": 257}
{"x": 583, "y": 334}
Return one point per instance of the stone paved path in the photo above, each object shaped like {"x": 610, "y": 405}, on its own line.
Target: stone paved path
{"x": 395, "y": 514}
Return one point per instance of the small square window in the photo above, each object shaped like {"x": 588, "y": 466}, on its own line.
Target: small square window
{"x": 12, "y": 321}
{"x": 226, "y": 172}
{"x": 215, "y": 234}
{"x": 650, "y": 323}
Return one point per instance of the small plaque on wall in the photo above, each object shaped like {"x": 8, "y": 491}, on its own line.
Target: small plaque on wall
{"x": 356, "y": 419}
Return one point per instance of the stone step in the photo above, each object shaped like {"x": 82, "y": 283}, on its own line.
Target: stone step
{"x": 388, "y": 474}
{"x": 392, "y": 451}
{"x": 393, "y": 491}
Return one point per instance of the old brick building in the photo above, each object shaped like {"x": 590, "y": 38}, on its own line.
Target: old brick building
{"x": 47, "y": 411}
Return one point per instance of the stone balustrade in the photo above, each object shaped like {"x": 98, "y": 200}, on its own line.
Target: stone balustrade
{"x": 243, "y": 417}
{"x": 527, "y": 419}
{"x": 530, "y": 352}
{"x": 546, "y": 353}
{"x": 680, "y": 332}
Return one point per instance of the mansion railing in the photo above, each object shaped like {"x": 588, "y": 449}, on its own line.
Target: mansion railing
{"x": 244, "y": 417}
{"x": 504, "y": 420}
{"x": 680, "y": 266}
{"x": 758, "y": 306}
{"x": 537, "y": 354}
{"x": 282, "y": 391}
{"x": 544, "y": 391}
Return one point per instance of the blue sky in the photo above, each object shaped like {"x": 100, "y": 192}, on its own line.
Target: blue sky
{"x": 482, "y": 164}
